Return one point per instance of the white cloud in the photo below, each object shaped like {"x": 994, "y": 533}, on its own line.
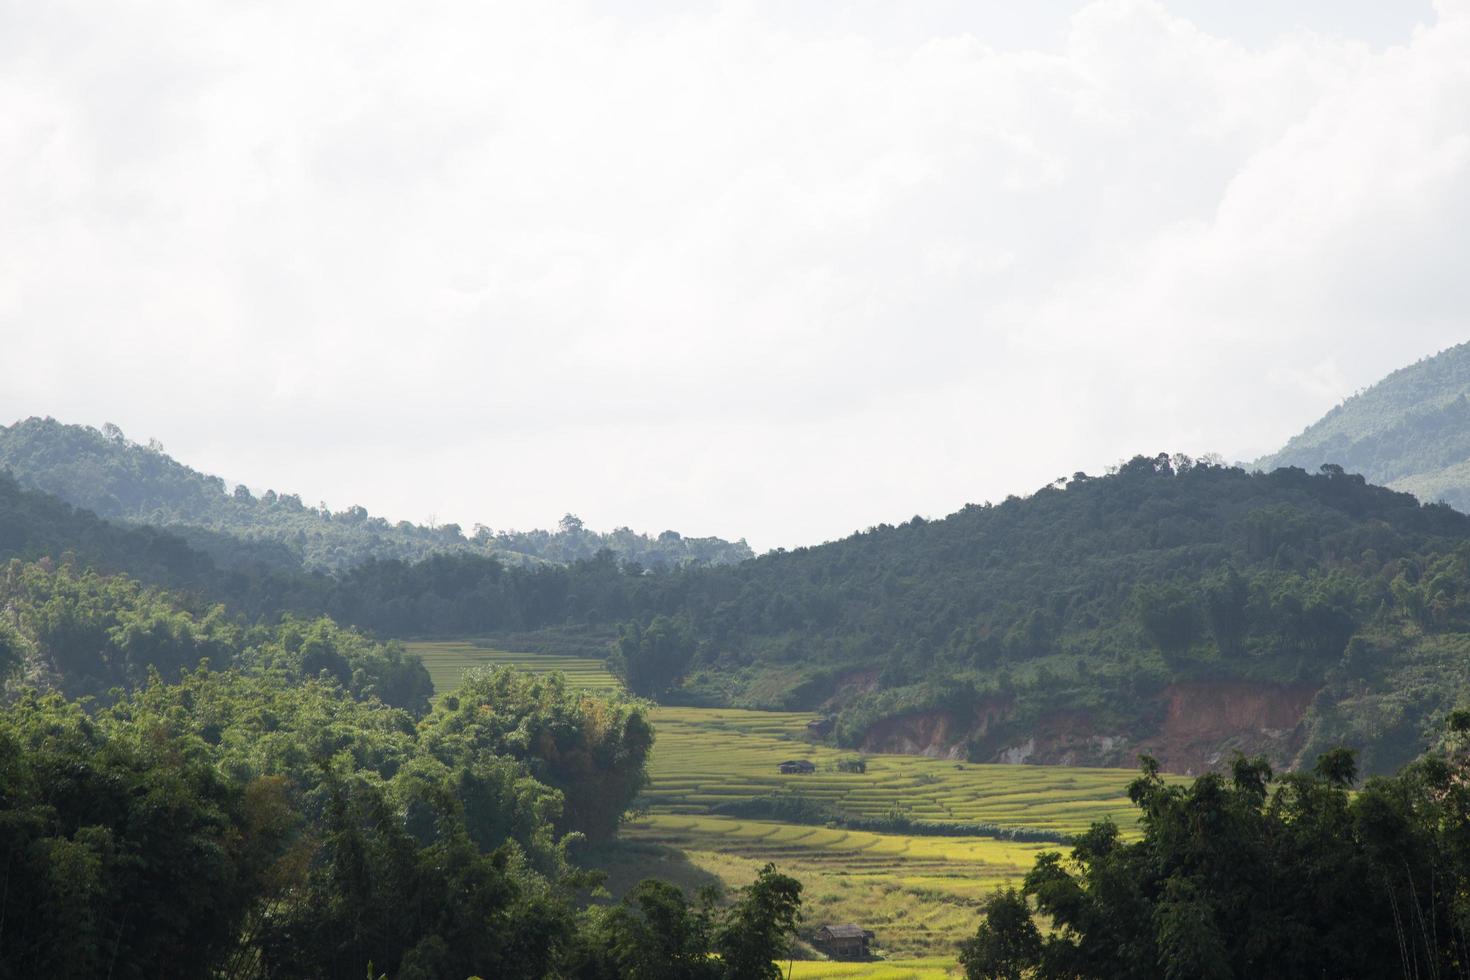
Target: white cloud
{"x": 721, "y": 268}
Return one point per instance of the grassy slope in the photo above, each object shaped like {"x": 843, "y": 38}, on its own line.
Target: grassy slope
{"x": 919, "y": 893}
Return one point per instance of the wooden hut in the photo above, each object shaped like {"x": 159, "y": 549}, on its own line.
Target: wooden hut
{"x": 844, "y": 942}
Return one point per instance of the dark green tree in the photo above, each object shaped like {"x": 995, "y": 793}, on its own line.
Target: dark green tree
{"x": 1007, "y": 945}
{"x": 759, "y": 927}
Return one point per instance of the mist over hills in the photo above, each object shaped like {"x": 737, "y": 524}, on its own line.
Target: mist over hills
{"x": 118, "y": 479}
{"x": 1410, "y": 431}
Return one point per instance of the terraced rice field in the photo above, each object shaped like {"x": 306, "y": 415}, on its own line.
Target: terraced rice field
{"x": 708, "y": 756}
{"x": 920, "y": 894}
{"x": 447, "y": 660}
{"x": 931, "y": 968}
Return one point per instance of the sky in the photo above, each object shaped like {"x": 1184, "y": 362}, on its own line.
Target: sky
{"x": 778, "y": 271}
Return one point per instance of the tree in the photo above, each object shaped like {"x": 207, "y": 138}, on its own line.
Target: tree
{"x": 1168, "y": 616}
{"x": 654, "y": 658}
{"x": 759, "y": 927}
{"x": 1225, "y": 597}
{"x": 1007, "y": 944}
{"x": 1255, "y": 875}
{"x": 593, "y": 750}
{"x": 652, "y": 934}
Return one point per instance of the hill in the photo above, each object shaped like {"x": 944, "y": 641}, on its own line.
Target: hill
{"x": 37, "y": 525}
{"x": 1410, "y": 431}
{"x": 106, "y": 473}
{"x": 1183, "y": 609}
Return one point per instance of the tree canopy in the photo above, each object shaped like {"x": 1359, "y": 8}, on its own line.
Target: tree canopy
{"x": 1250, "y": 874}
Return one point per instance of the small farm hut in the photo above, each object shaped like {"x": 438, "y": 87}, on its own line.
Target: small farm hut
{"x": 819, "y": 728}
{"x": 844, "y": 942}
{"x": 793, "y": 767}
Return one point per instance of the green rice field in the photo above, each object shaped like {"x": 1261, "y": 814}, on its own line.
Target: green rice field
{"x": 708, "y": 756}
{"x": 920, "y": 894}
{"x": 447, "y": 660}
{"x": 929, "y": 968}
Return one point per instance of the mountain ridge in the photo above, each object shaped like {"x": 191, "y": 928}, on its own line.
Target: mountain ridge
{"x": 1409, "y": 431}
{"x": 102, "y": 471}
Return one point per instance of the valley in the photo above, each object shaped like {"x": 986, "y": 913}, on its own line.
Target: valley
{"x": 708, "y": 817}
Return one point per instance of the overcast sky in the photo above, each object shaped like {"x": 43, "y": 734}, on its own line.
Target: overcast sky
{"x": 776, "y": 270}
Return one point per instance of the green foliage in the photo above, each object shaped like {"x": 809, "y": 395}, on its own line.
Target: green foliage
{"x": 124, "y": 852}
{"x": 653, "y": 659}
{"x": 265, "y": 824}
{"x": 1084, "y": 600}
{"x": 760, "y": 926}
{"x": 87, "y": 633}
{"x": 592, "y": 749}
{"x": 1167, "y": 614}
{"x": 652, "y": 934}
{"x": 655, "y": 933}
{"x": 1008, "y": 942}
{"x": 1255, "y": 877}
{"x": 1226, "y": 599}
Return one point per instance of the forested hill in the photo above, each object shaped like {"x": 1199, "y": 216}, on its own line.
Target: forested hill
{"x": 1410, "y": 431}
{"x": 1188, "y": 609}
{"x": 1184, "y": 609}
{"x": 104, "y": 472}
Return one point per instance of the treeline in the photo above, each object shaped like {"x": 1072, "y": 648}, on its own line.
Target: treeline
{"x": 235, "y": 825}
{"x": 1254, "y": 875}
{"x": 1088, "y": 597}
{"x": 82, "y": 633}
{"x": 105, "y": 472}
{"x": 276, "y": 818}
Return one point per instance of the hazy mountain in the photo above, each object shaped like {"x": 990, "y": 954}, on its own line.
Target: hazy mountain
{"x": 1410, "y": 431}
{"x": 37, "y": 525}
{"x": 104, "y": 472}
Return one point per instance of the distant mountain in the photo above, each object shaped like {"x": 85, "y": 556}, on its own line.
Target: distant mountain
{"x": 104, "y": 472}
{"x": 37, "y": 525}
{"x": 1410, "y": 431}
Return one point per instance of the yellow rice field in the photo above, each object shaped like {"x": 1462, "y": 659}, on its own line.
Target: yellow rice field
{"x": 920, "y": 894}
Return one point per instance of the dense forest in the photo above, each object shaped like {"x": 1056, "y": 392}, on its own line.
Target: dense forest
{"x": 1410, "y": 431}
{"x": 233, "y": 770}
{"x": 1088, "y": 598}
{"x": 228, "y": 799}
{"x": 117, "y": 479}
{"x": 1246, "y": 874}
{"x": 245, "y": 801}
